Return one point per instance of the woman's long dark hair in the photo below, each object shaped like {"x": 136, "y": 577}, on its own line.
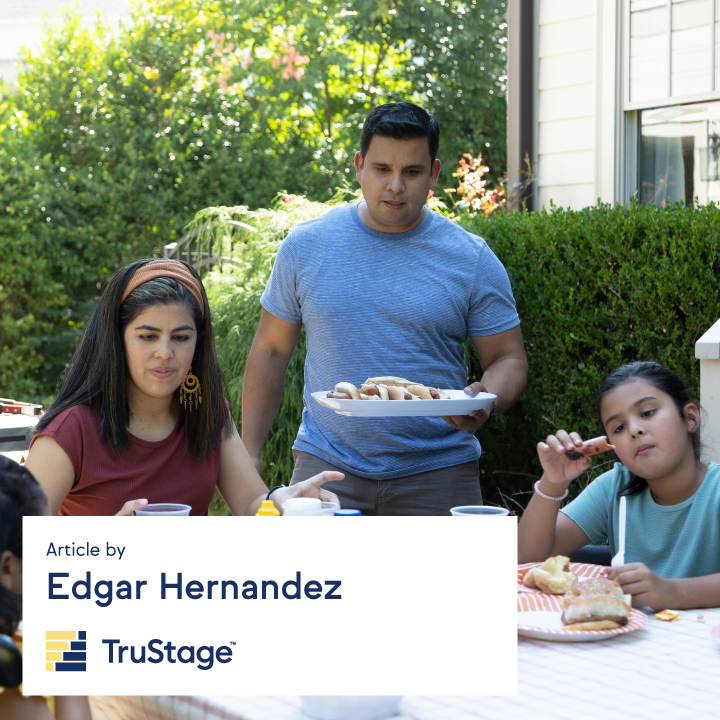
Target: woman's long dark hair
{"x": 20, "y": 495}
{"x": 97, "y": 372}
{"x": 664, "y": 380}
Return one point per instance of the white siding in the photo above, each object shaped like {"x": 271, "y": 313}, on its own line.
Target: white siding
{"x": 566, "y": 103}
{"x": 566, "y": 86}
{"x": 565, "y": 136}
{"x": 22, "y": 21}
{"x": 567, "y": 36}
{"x": 567, "y": 70}
{"x": 552, "y": 11}
{"x": 572, "y": 196}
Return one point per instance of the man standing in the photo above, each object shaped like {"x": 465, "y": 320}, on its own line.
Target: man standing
{"x": 386, "y": 287}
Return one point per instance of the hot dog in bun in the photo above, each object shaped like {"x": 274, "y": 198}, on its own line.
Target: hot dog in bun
{"x": 387, "y": 388}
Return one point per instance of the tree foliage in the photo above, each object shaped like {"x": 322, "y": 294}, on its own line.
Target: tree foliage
{"x": 114, "y": 139}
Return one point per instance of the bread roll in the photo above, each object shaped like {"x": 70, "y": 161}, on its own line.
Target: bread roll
{"x": 376, "y": 390}
{"x": 349, "y": 389}
{"x": 438, "y": 394}
{"x": 420, "y": 390}
{"x": 594, "y": 625}
{"x": 394, "y": 392}
{"x": 388, "y": 379}
{"x": 596, "y": 600}
{"x": 553, "y": 576}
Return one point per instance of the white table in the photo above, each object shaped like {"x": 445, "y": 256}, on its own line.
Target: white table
{"x": 664, "y": 670}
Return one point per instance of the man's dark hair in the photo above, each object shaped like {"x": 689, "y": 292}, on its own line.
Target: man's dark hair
{"x": 401, "y": 121}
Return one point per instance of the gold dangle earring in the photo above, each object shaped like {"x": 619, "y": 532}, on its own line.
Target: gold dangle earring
{"x": 190, "y": 391}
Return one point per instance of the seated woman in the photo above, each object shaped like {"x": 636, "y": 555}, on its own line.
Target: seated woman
{"x": 21, "y": 496}
{"x": 141, "y": 416}
{"x": 672, "y": 550}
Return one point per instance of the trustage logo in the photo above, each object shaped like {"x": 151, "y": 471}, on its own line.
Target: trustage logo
{"x": 156, "y": 652}
{"x": 65, "y": 651}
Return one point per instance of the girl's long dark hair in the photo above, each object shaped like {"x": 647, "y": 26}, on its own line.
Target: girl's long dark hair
{"x": 664, "y": 380}
{"x": 97, "y": 372}
{"x": 20, "y": 495}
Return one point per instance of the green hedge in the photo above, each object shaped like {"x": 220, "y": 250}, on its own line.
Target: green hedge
{"x": 595, "y": 289}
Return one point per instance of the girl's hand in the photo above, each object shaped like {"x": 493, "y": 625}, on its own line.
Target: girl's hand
{"x": 131, "y": 506}
{"x": 309, "y": 488}
{"x": 558, "y": 467}
{"x": 644, "y": 585}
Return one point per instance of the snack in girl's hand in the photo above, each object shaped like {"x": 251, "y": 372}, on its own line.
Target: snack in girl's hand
{"x": 553, "y": 576}
{"x": 590, "y": 447}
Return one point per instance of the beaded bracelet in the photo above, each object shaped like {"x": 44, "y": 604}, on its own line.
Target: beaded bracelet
{"x": 267, "y": 497}
{"x": 550, "y": 497}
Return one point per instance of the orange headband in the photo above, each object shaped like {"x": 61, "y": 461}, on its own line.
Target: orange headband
{"x": 166, "y": 268}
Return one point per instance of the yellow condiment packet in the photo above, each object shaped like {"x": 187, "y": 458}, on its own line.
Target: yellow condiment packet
{"x": 668, "y": 615}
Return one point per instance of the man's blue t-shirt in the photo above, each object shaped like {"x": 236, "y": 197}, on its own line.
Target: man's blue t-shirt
{"x": 377, "y": 304}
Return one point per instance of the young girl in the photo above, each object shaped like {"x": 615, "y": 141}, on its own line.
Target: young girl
{"x": 672, "y": 545}
{"x": 20, "y": 495}
{"x": 141, "y": 416}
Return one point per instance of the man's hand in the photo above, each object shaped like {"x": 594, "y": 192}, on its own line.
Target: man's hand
{"x": 502, "y": 358}
{"x": 476, "y": 419}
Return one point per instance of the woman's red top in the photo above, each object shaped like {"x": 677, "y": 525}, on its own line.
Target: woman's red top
{"x": 162, "y": 472}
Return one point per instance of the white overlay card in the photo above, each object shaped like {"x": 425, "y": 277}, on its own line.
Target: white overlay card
{"x": 251, "y": 606}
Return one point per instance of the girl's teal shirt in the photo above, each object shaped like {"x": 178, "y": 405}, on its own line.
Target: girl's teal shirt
{"x": 674, "y": 541}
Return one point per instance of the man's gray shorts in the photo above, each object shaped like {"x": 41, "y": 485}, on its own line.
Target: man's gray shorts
{"x": 427, "y": 493}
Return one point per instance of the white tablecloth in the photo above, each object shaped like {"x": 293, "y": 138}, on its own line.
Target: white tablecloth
{"x": 665, "y": 670}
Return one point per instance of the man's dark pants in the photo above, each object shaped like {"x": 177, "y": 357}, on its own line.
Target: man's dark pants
{"x": 427, "y": 493}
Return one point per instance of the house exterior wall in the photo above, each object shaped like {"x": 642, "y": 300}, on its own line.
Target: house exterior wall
{"x": 566, "y": 100}
{"x": 22, "y": 22}
{"x": 577, "y": 102}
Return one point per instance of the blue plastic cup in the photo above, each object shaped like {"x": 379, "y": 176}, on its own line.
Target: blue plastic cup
{"x": 164, "y": 510}
{"x": 468, "y": 510}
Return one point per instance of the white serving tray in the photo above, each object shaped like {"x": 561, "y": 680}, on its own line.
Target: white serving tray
{"x": 458, "y": 404}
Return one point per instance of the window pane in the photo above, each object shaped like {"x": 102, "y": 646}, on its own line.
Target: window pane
{"x": 691, "y": 46}
{"x": 648, "y": 49}
{"x": 679, "y": 158}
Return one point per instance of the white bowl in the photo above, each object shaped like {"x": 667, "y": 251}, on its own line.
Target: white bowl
{"x": 350, "y": 707}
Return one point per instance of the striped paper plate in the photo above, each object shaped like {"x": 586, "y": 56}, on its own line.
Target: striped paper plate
{"x": 540, "y": 617}
{"x": 582, "y": 570}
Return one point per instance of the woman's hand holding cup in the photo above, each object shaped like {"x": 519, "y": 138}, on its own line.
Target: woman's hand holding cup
{"x": 131, "y": 506}
{"x": 311, "y": 487}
